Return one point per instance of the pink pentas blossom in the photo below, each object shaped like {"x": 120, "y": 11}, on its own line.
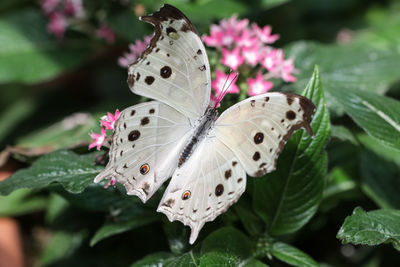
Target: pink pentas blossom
{"x": 109, "y": 121}
{"x": 135, "y": 50}
{"x": 111, "y": 182}
{"x": 57, "y": 24}
{"x": 247, "y": 39}
{"x": 251, "y": 55}
{"x": 232, "y": 59}
{"x": 234, "y": 24}
{"x": 258, "y": 85}
{"x": 98, "y": 139}
{"x": 49, "y": 6}
{"x": 271, "y": 59}
{"x": 264, "y": 34}
{"x": 221, "y": 83}
{"x": 226, "y": 33}
{"x": 73, "y": 8}
{"x": 106, "y": 33}
{"x": 286, "y": 70}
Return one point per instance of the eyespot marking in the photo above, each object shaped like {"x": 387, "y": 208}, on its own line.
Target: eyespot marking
{"x": 144, "y": 121}
{"x": 144, "y": 169}
{"x": 186, "y": 195}
{"x": 165, "y": 72}
{"x": 219, "y": 189}
{"x": 258, "y": 138}
{"x": 134, "y": 135}
{"x": 228, "y": 174}
{"x": 149, "y": 80}
{"x": 256, "y": 156}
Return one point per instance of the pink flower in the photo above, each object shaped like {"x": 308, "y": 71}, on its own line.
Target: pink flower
{"x": 222, "y": 80}
{"x": 226, "y": 32}
{"x": 135, "y": 51}
{"x": 264, "y": 34}
{"x": 109, "y": 120}
{"x": 49, "y": 6}
{"x": 74, "y": 8}
{"x": 234, "y": 24}
{"x": 287, "y": 68}
{"x": 272, "y": 59}
{"x": 98, "y": 139}
{"x": 247, "y": 39}
{"x": 258, "y": 85}
{"x": 106, "y": 33}
{"x": 232, "y": 59}
{"x": 57, "y": 24}
{"x": 111, "y": 182}
{"x": 251, "y": 55}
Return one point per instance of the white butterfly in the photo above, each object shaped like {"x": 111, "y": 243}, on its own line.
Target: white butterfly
{"x": 179, "y": 135}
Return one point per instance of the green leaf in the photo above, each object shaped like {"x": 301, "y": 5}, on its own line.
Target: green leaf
{"x": 251, "y": 222}
{"x": 344, "y": 134}
{"x": 29, "y": 54}
{"x": 137, "y": 216}
{"x": 71, "y": 131}
{"x": 339, "y": 182}
{"x": 155, "y": 259}
{"x": 72, "y": 171}
{"x": 168, "y": 260}
{"x": 123, "y": 22}
{"x": 371, "y": 228}
{"x": 228, "y": 247}
{"x": 375, "y": 146}
{"x": 380, "y": 180}
{"x": 354, "y": 66}
{"x": 378, "y": 115}
{"x": 14, "y": 114}
{"x": 61, "y": 246}
{"x": 20, "y": 202}
{"x": 228, "y": 240}
{"x": 287, "y": 198}
{"x": 209, "y": 10}
{"x": 292, "y": 255}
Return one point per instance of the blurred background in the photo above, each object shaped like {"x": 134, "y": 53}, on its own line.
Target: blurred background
{"x": 59, "y": 75}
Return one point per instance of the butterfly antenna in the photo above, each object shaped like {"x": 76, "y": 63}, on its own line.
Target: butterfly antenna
{"x": 225, "y": 88}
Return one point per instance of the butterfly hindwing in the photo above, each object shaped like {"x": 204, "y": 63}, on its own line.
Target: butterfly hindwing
{"x": 174, "y": 69}
{"x": 204, "y": 186}
{"x": 145, "y": 147}
{"x": 257, "y": 128}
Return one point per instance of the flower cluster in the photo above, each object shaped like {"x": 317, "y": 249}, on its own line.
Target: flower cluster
{"x": 107, "y": 123}
{"x": 248, "y": 46}
{"x": 63, "y": 13}
{"x": 135, "y": 50}
{"x": 245, "y": 48}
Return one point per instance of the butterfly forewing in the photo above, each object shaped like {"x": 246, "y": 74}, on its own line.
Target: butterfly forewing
{"x": 257, "y": 128}
{"x": 174, "y": 69}
{"x": 204, "y": 187}
{"x": 145, "y": 146}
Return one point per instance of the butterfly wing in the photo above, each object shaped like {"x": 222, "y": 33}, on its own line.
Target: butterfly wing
{"x": 257, "y": 128}
{"x": 203, "y": 187}
{"x": 174, "y": 69}
{"x": 145, "y": 147}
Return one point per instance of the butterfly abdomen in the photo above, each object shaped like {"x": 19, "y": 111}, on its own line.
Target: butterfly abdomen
{"x": 200, "y": 132}
{"x": 187, "y": 151}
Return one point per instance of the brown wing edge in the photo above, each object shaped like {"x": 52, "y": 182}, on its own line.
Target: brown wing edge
{"x": 166, "y": 12}
{"x": 308, "y": 108}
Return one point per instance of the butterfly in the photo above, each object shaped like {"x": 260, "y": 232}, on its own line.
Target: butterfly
{"x": 180, "y": 135}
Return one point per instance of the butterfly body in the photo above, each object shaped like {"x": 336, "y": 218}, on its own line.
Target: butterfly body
{"x": 179, "y": 134}
{"x": 203, "y": 127}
